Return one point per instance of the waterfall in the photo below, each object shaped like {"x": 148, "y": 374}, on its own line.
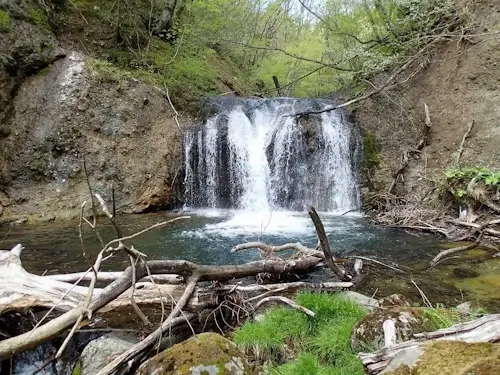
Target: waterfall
{"x": 250, "y": 155}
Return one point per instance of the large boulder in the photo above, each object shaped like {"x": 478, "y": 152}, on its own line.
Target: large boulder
{"x": 98, "y": 353}
{"x": 206, "y": 353}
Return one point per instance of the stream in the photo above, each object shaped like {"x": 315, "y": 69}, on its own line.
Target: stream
{"x": 208, "y": 236}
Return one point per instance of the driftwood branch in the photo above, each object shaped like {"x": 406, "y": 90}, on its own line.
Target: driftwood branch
{"x": 480, "y": 227}
{"x": 448, "y": 252}
{"x": 268, "y": 249}
{"x": 111, "y": 276}
{"x": 131, "y": 355}
{"x": 325, "y": 245}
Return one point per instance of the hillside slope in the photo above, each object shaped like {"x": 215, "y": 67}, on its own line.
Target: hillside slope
{"x": 70, "y": 91}
{"x": 460, "y": 83}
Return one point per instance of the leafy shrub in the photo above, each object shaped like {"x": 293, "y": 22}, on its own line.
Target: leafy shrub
{"x": 460, "y": 181}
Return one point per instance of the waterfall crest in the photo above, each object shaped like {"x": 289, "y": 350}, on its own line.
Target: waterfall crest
{"x": 249, "y": 156}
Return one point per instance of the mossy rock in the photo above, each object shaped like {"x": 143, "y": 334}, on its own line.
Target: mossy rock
{"x": 455, "y": 358}
{"x": 206, "y": 353}
{"x": 369, "y": 334}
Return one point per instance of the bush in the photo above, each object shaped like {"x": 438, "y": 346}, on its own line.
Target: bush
{"x": 460, "y": 182}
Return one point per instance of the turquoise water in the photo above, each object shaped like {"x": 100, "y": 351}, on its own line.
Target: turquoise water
{"x": 207, "y": 237}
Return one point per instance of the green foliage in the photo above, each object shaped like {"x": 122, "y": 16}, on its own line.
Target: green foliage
{"x": 371, "y": 150}
{"x": 105, "y": 71}
{"x": 439, "y": 318}
{"x": 37, "y": 13}
{"x": 267, "y": 339}
{"x": 355, "y": 40}
{"x": 5, "y": 22}
{"x": 461, "y": 181}
{"x": 320, "y": 345}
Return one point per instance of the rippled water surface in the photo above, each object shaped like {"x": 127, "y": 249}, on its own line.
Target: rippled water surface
{"x": 208, "y": 236}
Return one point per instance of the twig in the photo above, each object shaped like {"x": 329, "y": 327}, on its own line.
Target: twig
{"x": 461, "y": 148}
{"x": 157, "y": 225}
{"x": 176, "y": 114}
{"x": 422, "y": 294}
{"x": 286, "y": 301}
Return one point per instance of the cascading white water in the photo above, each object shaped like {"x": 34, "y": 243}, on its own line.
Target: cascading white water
{"x": 250, "y": 155}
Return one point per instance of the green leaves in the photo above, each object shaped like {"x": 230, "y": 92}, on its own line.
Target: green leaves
{"x": 458, "y": 181}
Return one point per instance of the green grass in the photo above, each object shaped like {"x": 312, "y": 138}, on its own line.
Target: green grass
{"x": 295, "y": 344}
{"x": 270, "y": 338}
{"x": 5, "y": 22}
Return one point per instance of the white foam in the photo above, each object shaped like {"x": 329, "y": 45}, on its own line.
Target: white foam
{"x": 256, "y": 223}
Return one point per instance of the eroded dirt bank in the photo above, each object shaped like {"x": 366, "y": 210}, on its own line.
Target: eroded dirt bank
{"x": 460, "y": 83}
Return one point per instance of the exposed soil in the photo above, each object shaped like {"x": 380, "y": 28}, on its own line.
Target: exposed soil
{"x": 460, "y": 83}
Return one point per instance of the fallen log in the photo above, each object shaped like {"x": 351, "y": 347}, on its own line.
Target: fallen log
{"x": 485, "y": 329}
{"x": 22, "y": 289}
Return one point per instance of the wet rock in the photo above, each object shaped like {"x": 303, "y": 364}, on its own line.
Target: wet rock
{"x": 206, "y": 353}
{"x": 369, "y": 334}
{"x": 451, "y": 358}
{"x": 404, "y": 361}
{"x": 98, "y": 353}
{"x": 465, "y": 273}
{"x": 361, "y": 299}
{"x": 469, "y": 307}
{"x": 393, "y": 300}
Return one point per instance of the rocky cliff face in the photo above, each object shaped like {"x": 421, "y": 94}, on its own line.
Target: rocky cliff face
{"x": 57, "y": 110}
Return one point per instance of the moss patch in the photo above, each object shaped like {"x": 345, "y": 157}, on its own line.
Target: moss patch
{"x": 37, "y": 14}
{"x": 5, "y": 22}
{"x": 371, "y": 150}
{"x": 486, "y": 366}
{"x": 454, "y": 357}
{"x": 450, "y": 357}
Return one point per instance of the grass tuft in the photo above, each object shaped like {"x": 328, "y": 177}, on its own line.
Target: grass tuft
{"x": 319, "y": 346}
